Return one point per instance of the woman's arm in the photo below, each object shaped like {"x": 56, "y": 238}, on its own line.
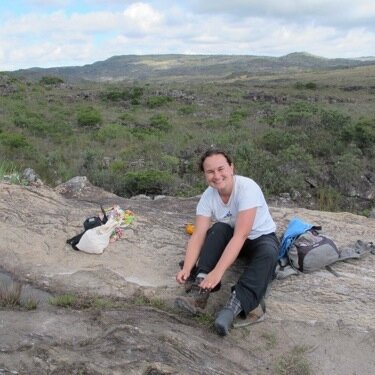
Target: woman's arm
{"x": 202, "y": 224}
{"x": 243, "y": 226}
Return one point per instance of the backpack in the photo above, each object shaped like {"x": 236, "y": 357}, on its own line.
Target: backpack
{"x": 303, "y": 248}
{"x": 312, "y": 251}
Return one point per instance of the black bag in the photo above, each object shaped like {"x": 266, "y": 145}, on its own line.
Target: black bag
{"x": 89, "y": 223}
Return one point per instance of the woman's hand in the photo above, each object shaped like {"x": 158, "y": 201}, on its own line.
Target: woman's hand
{"x": 182, "y": 276}
{"x": 211, "y": 280}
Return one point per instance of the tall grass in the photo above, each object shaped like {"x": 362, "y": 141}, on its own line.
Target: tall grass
{"x": 10, "y": 173}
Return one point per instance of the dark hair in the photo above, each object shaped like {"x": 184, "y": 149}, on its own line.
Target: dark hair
{"x": 210, "y": 152}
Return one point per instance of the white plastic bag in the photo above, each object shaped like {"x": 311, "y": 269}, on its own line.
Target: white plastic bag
{"x": 95, "y": 240}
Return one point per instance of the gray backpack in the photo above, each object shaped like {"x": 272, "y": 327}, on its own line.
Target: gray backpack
{"x": 312, "y": 251}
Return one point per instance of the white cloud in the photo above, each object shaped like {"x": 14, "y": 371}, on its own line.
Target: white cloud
{"x": 73, "y": 36}
{"x": 143, "y": 17}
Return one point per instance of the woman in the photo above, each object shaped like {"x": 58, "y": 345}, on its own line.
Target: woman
{"x": 242, "y": 224}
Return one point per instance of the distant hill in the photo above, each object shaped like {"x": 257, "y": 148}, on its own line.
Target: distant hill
{"x": 154, "y": 67}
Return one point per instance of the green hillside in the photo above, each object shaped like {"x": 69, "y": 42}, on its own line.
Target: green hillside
{"x": 203, "y": 67}
{"x": 305, "y": 132}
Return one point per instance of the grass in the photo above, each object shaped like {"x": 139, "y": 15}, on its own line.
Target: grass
{"x": 294, "y": 363}
{"x": 9, "y": 173}
{"x": 270, "y": 339}
{"x": 63, "y": 300}
{"x": 79, "y": 302}
{"x": 10, "y": 297}
{"x": 206, "y": 320}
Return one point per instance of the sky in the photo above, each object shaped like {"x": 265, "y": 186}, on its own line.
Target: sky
{"x": 54, "y": 33}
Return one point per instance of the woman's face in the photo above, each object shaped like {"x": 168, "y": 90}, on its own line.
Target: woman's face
{"x": 218, "y": 173}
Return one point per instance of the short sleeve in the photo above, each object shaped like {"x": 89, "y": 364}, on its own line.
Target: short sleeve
{"x": 249, "y": 195}
{"x": 204, "y": 205}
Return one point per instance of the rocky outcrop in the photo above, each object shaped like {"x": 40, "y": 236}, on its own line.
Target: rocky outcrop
{"x": 36, "y": 221}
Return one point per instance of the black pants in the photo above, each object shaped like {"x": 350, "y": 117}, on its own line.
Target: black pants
{"x": 260, "y": 255}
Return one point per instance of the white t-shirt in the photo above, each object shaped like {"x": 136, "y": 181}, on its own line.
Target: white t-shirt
{"x": 246, "y": 194}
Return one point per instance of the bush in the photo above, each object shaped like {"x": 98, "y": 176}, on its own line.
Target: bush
{"x": 48, "y": 80}
{"x": 158, "y": 101}
{"x": 276, "y": 140}
{"x": 160, "y": 122}
{"x": 333, "y": 120}
{"x": 112, "y": 131}
{"x": 308, "y": 85}
{"x": 14, "y": 140}
{"x": 347, "y": 172}
{"x": 300, "y": 114}
{"x": 89, "y": 117}
{"x": 311, "y": 85}
{"x": 328, "y": 198}
{"x": 151, "y": 182}
{"x": 133, "y": 94}
{"x": 115, "y": 95}
{"x": 236, "y": 117}
{"x": 187, "y": 110}
{"x": 37, "y": 125}
{"x": 364, "y": 133}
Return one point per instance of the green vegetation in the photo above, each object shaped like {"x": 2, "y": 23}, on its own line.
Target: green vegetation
{"x": 48, "y": 80}
{"x": 89, "y": 117}
{"x": 80, "y": 302}
{"x": 63, "y": 300}
{"x": 294, "y": 363}
{"x": 270, "y": 340}
{"x": 145, "y": 137}
{"x": 203, "y": 319}
{"x": 10, "y": 173}
{"x": 10, "y": 297}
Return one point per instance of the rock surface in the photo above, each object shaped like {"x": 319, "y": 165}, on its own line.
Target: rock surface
{"x": 330, "y": 313}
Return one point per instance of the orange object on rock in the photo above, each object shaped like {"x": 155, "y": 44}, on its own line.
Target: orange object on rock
{"x": 189, "y": 228}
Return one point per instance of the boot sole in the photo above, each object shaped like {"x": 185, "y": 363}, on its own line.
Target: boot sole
{"x": 247, "y": 322}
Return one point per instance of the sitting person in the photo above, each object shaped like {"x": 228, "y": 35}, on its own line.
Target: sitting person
{"x": 232, "y": 219}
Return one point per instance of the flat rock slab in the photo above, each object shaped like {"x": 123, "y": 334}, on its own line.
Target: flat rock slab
{"x": 35, "y": 223}
{"x": 327, "y": 316}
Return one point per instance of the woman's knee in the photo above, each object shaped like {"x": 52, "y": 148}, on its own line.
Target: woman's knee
{"x": 220, "y": 227}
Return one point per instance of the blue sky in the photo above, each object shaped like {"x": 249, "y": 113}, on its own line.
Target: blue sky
{"x": 47, "y": 33}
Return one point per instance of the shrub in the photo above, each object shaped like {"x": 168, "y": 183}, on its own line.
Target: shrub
{"x": 115, "y": 95}
{"x": 276, "y": 140}
{"x": 347, "y": 172}
{"x": 14, "y": 140}
{"x": 149, "y": 181}
{"x": 333, "y": 120}
{"x": 89, "y": 117}
{"x": 328, "y": 199}
{"x": 364, "y": 133}
{"x": 186, "y": 110}
{"x": 236, "y": 117}
{"x": 311, "y": 85}
{"x": 49, "y": 80}
{"x": 160, "y": 122}
{"x": 300, "y": 114}
{"x": 36, "y": 124}
{"x": 158, "y": 101}
{"x": 308, "y": 85}
{"x": 133, "y": 94}
{"x": 111, "y": 131}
